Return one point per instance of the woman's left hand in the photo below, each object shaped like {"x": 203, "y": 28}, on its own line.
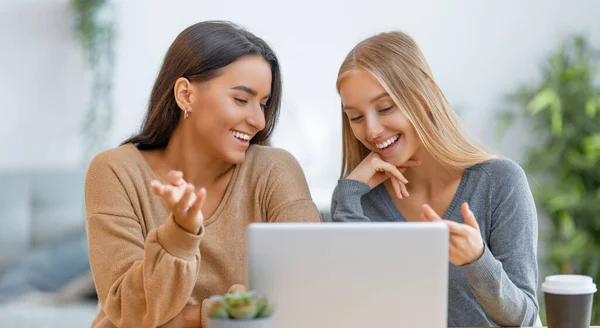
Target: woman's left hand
{"x": 466, "y": 245}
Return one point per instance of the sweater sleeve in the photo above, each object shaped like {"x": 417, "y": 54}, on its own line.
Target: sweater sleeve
{"x": 140, "y": 282}
{"x": 504, "y": 279}
{"x": 346, "y": 201}
{"x": 288, "y": 197}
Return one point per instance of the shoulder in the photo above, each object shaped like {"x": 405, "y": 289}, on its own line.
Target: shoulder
{"x": 122, "y": 154}
{"x": 504, "y": 176}
{"x": 267, "y": 157}
{"x": 499, "y": 170}
{"x": 115, "y": 161}
{"x": 270, "y": 166}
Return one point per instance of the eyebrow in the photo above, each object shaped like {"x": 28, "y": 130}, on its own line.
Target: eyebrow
{"x": 382, "y": 95}
{"x": 250, "y": 91}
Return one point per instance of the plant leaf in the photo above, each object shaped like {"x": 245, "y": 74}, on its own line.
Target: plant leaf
{"x": 561, "y": 202}
{"x": 557, "y": 119}
{"x": 591, "y": 146}
{"x": 591, "y": 107}
{"x": 544, "y": 99}
{"x": 573, "y": 73}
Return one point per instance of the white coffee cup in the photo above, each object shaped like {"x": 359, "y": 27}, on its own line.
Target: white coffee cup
{"x": 569, "y": 299}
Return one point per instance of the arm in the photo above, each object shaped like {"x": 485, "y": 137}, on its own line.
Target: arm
{"x": 345, "y": 202}
{"x": 504, "y": 279}
{"x": 140, "y": 283}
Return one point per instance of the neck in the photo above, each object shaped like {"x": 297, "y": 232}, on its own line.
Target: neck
{"x": 430, "y": 176}
{"x": 198, "y": 165}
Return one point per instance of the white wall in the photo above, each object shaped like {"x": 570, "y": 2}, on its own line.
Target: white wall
{"x": 41, "y": 92}
{"x": 478, "y": 51}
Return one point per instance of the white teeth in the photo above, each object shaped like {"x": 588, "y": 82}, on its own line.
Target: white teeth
{"x": 240, "y": 135}
{"x": 387, "y": 142}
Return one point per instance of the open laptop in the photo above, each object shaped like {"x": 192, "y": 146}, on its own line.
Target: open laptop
{"x": 351, "y": 275}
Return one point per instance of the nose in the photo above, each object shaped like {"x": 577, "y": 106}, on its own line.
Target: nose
{"x": 256, "y": 118}
{"x": 373, "y": 127}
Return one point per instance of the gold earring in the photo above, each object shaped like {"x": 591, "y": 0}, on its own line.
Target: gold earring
{"x": 185, "y": 114}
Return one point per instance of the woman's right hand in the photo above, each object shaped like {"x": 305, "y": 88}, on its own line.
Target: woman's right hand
{"x": 184, "y": 201}
{"x": 373, "y": 170}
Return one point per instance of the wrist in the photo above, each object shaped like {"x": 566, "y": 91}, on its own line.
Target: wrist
{"x": 190, "y": 228}
{"x": 357, "y": 177}
{"x": 478, "y": 253}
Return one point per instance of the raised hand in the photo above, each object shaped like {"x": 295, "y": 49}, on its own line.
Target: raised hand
{"x": 183, "y": 200}
{"x": 373, "y": 170}
{"x": 466, "y": 245}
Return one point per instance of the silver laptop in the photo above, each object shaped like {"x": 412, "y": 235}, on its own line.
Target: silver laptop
{"x": 351, "y": 275}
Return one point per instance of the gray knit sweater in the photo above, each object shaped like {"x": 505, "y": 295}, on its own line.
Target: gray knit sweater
{"x": 499, "y": 289}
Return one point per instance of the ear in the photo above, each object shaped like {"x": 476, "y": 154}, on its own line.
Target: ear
{"x": 183, "y": 93}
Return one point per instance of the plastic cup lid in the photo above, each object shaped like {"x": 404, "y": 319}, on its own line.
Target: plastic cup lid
{"x": 569, "y": 284}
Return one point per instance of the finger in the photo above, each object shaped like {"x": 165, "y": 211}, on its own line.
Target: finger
{"x": 455, "y": 233}
{"x": 430, "y": 214}
{"x": 452, "y": 252}
{"x": 186, "y": 200}
{"x": 404, "y": 190}
{"x": 454, "y": 240}
{"x": 176, "y": 178}
{"x": 391, "y": 169}
{"x": 198, "y": 203}
{"x": 236, "y": 288}
{"x": 469, "y": 216}
{"x": 396, "y": 185}
{"x": 169, "y": 195}
{"x": 456, "y": 228}
{"x": 157, "y": 187}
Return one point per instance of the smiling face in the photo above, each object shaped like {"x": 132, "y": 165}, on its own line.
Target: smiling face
{"x": 376, "y": 121}
{"x": 227, "y": 111}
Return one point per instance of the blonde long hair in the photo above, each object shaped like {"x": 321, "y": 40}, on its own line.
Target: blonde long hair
{"x": 396, "y": 62}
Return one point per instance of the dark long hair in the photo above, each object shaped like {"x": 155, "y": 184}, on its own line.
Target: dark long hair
{"x": 199, "y": 53}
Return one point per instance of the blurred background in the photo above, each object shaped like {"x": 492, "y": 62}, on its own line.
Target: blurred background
{"x": 76, "y": 78}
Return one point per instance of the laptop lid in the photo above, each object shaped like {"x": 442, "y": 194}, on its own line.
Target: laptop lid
{"x": 325, "y": 275}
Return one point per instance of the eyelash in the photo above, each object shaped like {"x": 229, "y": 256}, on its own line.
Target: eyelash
{"x": 385, "y": 110}
{"x": 244, "y": 102}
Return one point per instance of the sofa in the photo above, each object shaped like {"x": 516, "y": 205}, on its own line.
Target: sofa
{"x": 44, "y": 267}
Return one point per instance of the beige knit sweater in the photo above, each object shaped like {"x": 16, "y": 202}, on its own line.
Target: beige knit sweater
{"x": 145, "y": 267}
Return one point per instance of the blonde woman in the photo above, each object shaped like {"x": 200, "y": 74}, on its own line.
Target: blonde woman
{"x": 406, "y": 159}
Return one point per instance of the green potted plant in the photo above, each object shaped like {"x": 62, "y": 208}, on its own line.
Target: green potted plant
{"x": 563, "y": 112}
{"x": 95, "y": 23}
{"x": 239, "y": 309}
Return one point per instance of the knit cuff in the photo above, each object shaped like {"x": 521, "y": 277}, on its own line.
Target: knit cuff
{"x": 352, "y": 189}
{"x": 177, "y": 241}
{"x": 483, "y": 268}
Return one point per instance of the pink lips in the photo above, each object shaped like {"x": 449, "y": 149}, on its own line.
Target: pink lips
{"x": 390, "y": 148}
{"x": 243, "y": 143}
